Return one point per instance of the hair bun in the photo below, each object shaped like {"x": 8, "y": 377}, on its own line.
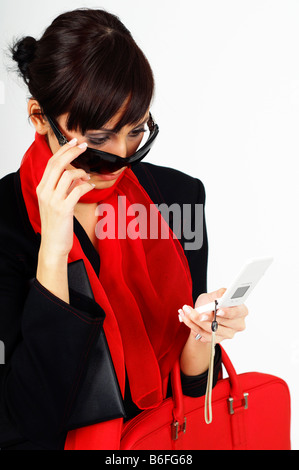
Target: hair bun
{"x": 23, "y": 52}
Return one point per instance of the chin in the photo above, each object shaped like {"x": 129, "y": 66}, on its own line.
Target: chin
{"x": 102, "y": 184}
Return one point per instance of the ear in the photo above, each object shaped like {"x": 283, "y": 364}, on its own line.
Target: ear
{"x": 40, "y": 124}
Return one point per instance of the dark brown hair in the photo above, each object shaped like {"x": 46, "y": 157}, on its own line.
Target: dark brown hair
{"x": 86, "y": 64}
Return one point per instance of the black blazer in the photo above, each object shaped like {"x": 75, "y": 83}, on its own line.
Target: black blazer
{"x": 46, "y": 340}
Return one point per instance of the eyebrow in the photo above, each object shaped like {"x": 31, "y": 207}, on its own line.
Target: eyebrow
{"x": 112, "y": 131}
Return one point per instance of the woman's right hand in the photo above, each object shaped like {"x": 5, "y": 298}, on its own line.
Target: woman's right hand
{"x": 58, "y": 192}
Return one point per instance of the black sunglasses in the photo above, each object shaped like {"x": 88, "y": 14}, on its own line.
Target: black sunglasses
{"x": 96, "y": 161}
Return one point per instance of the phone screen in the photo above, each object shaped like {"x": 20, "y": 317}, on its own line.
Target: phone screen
{"x": 240, "y": 292}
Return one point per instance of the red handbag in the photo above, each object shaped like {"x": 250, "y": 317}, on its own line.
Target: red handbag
{"x": 250, "y": 411}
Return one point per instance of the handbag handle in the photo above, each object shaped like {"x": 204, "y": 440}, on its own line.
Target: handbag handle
{"x": 236, "y": 392}
{"x": 179, "y": 421}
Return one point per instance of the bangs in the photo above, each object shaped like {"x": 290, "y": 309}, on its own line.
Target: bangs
{"x": 115, "y": 76}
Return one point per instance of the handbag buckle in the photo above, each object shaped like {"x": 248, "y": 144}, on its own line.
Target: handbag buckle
{"x": 231, "y": 403}
{"x": 176, "y": 429}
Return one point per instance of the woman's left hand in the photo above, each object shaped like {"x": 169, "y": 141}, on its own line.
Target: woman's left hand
{"x": 230, "y": 320}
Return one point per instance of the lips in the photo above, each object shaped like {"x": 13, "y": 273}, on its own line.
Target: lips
{"x": 117, "y": 174}
{"x": 109, "y": 176}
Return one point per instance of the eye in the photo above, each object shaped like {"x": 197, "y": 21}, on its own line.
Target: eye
{"x": 99, "y": 141}
{"x": 137, "y": 132}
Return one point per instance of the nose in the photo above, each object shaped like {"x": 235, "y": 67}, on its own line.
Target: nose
{"x": 120, "y": 147}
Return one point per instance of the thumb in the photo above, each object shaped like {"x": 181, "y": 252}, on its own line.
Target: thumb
{"x": 209, "y": 297}
{"x": 219, "y": 293}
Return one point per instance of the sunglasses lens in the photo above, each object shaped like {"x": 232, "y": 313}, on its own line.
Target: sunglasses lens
{"x": 91, "y": 162}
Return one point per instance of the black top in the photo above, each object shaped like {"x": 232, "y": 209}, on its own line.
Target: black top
{"x": 48, "y": 343}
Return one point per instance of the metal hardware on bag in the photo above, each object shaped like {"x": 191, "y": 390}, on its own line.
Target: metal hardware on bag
{"x": 184, "y": 425}
{"x": 231, "y": 403}
{"x": 175, "y": 429}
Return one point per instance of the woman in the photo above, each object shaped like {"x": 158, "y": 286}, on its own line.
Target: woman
{"x": 91, "y": 90}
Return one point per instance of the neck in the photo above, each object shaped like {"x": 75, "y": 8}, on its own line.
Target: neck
{"x": 83, "y": 208}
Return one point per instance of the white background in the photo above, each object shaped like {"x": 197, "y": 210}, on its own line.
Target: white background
{"x": 227, "y": 103}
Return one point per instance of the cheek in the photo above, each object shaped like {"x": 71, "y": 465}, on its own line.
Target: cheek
{"x": 133, "y": 146}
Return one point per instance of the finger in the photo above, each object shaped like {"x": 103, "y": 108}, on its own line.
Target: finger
{"x": 75, "y": 183}
{"x": 64, "y": 148}
{"x": 195, "y": 316}
{"x": 196, "y": 331}
{"x": 77, "y": 193}
{"x": 65, "y": 184}
{"x": 59, "y": 153}
{"x": 206, "y": 298}
{"x": 197, "y": 325}
{"x": 233, "y": 312}
{"x": 202, "y": 336}
{"x": 206, "y": 335}
{"x": 202, "y": 323}
{"x": 224, "y": 332}
{"x": 237, "y": 324}
{"x": 57, "y": 164}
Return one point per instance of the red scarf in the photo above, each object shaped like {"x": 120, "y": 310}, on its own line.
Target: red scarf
{"x": 142, "y": 284}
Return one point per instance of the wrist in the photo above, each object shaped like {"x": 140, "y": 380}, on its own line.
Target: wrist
{"x": 195, "y": 356}
{"x": 51, "y": 258}
{"x": 52, "y": 273}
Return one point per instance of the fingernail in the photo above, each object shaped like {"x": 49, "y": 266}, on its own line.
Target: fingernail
{"x": 73, "y": 142}
{"x": 187, "y": 309}
{"x": 82, "y": 146}
{"x": 181, "y": 314}
{"x": 92, "y": 184}
{"x": 220, "y": 313}
{"x": 204, "y": 318}
{"x": 87, "y": 176}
